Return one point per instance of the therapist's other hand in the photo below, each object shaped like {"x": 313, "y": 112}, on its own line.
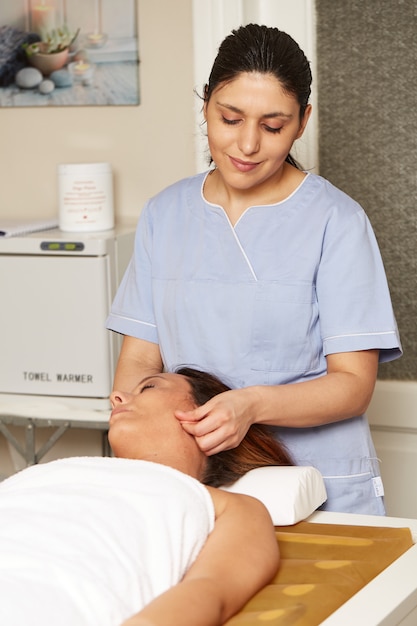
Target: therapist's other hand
{"x": 219, "y": 424}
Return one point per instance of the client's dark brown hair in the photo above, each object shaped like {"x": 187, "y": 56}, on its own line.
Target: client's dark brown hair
{"x": 258, "y": 448}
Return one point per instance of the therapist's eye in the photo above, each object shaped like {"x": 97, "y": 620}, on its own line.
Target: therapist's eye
{"x": 230, "y": 122}
{"x": 273, "y": 130}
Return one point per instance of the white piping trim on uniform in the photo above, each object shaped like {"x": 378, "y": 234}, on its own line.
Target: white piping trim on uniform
{"x": 307, "y": 174}
{"x": 131, "y": 319}
{"x": 348, "y": 475}
{"x": 387, "y": 332}
{"x": 243, "y": 252}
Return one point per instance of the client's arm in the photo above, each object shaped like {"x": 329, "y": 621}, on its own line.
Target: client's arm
{"x": 239, "y": 558}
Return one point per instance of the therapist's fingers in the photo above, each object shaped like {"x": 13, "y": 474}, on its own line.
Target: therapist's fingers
{"x": 217, "y": 431}
{"x": 194, "y": 415}
{"x": 220, "y": 409}
{"x": 219, "y": 424}
{"x": 209, "y": 417}
{"x": 212, "y": 422}
{"x": 214, "y": 441}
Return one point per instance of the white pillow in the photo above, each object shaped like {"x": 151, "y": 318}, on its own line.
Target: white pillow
{"x": 289, "y": 493}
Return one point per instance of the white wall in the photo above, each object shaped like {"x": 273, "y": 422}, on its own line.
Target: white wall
{"x": 149, "y": 146}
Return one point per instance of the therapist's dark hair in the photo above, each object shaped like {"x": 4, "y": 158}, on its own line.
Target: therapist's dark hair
{"x": 266, "y": 50}
{"x": 257, "y": 449}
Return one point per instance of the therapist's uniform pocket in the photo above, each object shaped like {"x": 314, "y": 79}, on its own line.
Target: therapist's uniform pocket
{"x": 357, "y": 493}
{"x": 285, "y": 330}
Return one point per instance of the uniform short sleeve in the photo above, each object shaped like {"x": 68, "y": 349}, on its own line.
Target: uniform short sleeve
{"x": 132, "y": 309}
{"x": 352, "y": 290}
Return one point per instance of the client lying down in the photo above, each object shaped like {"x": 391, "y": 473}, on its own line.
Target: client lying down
{"x": 137, "y": 539}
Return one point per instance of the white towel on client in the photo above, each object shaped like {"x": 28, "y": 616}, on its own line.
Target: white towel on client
{"x": 89, "y": 541}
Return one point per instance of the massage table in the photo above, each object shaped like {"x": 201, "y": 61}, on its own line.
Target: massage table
{"x": 314, "y": 589}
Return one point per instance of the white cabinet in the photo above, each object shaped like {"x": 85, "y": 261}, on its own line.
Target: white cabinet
{"x": 58, "y": 288}
{"x": 393, "y": 418}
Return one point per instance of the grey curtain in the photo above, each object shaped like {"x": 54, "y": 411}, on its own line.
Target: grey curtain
{"x": 367, "y": 100}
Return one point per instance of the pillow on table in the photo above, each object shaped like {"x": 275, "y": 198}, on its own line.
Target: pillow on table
{"x": 290, "y": 493}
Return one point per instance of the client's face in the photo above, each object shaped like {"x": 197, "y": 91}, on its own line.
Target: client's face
{"x": 143, "y": 426}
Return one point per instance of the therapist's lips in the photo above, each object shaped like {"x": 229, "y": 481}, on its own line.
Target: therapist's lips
{"x": 243, "y": 166}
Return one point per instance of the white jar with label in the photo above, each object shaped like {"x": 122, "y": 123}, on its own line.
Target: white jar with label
{"x": 85, "y": 193}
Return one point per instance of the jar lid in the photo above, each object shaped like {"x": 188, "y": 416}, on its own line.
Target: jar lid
{"x": 83, "y": 169}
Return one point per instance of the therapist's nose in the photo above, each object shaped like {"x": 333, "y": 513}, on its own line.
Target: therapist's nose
{"x": 248, "y": 140}
{"x": 119, "y": 397}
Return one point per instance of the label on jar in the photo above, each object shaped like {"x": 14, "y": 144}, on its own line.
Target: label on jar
{"x": 85, "y": 197}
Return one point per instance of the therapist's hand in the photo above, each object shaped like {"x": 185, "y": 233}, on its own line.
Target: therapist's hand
{"x": 221, "y": 423}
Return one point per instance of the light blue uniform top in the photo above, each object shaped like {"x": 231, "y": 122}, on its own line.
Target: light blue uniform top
{"x": 263, "y": 303}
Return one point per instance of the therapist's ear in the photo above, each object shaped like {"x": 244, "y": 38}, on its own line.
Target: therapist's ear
{"x": 304, "y": 121}
{"x": 205, "y": 102}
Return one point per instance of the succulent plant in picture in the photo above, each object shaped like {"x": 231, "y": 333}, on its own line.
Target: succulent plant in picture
{"x": 51, "y": 53}
{"x": 53, "y": 41}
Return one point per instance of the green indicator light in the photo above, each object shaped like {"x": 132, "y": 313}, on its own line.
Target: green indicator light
{"x": 66, "y": 246}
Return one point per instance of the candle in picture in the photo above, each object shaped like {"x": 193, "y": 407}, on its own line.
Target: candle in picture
{"x": 96, "y": 39}
{"x": 82, "y": 71}
{"x": 42, "y": 17}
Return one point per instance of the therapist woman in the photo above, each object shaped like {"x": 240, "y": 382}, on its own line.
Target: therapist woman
{"x": 267, "y": 275}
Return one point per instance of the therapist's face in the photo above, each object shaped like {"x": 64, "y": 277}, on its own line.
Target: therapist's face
{"x": 252, "y": 123}
{"x": 143, "y": 426}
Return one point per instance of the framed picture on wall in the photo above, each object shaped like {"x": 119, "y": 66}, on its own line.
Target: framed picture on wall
{"x": 68, "y": 53}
